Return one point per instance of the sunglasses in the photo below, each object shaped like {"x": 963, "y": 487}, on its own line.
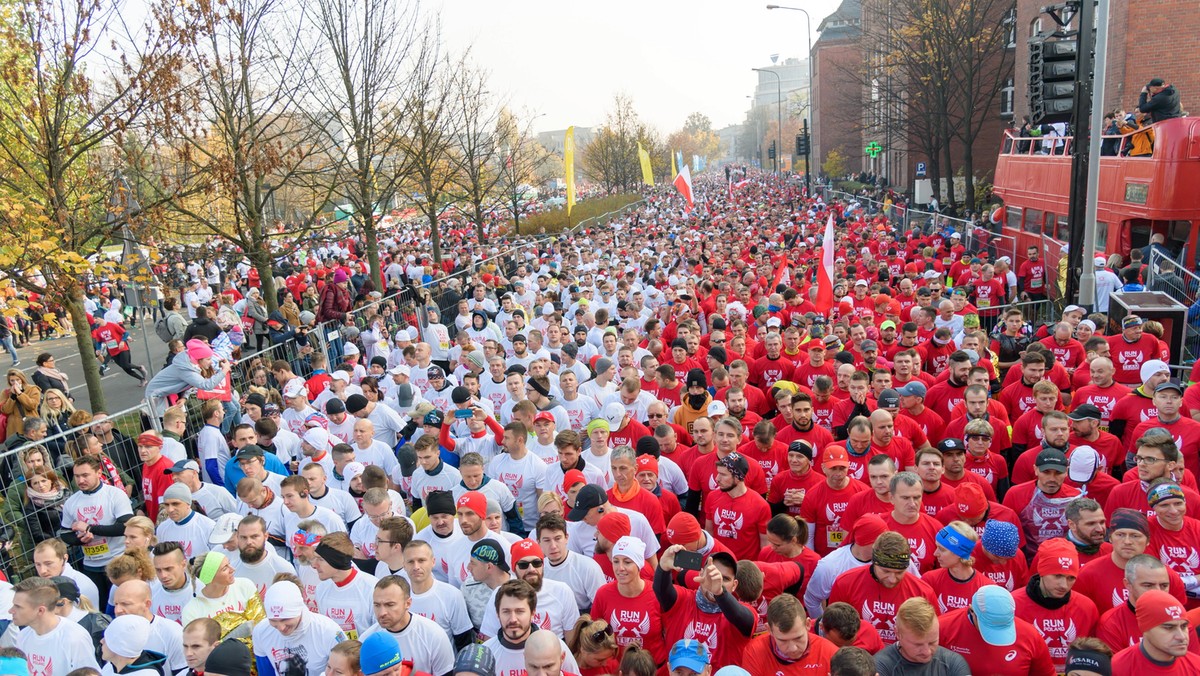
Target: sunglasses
{"x": 532, "y": 563}
{"x": 979, "y": 436}
{"x": 598, "y": 635}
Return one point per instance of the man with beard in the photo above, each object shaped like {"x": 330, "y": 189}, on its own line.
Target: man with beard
{"x": 293, "y": 641}
{"x": 515, "y": 605}
{"x": 944, "y": 396}
{"x": 736, "y": 516}
{"x": 1047, "y": 602}
{"x": 256, "y": 561}
{"x": 472, "y": 510}
{"x": 556, "y": 607}
{"x": 421, "y": 639}
{"x": 802, "y": 426}
{"x": 788, "y": 647}
{"x": 881, "y": 587}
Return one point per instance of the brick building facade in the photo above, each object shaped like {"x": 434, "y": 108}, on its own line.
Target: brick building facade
{"x": 1157, "y": 38}
{"x": 837, "y": 110}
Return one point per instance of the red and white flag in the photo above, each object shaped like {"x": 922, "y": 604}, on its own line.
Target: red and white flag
{"x": 783, "y": 274}
{"x": 824, "y": 300}
{"x": 683, "y": 183}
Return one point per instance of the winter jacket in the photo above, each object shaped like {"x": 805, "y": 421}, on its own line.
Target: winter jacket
{"x": 202, "y": 328}
{"x": 1162, "y": 106}
{"x": 177, "y": 377}
{"x": 335, "y": 303}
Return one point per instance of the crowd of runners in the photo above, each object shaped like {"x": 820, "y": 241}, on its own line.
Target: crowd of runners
{"x": 655, "y": 444}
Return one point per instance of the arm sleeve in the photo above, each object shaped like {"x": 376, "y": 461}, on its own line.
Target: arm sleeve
{"x": 213, "y": 468}
{"x": 738, "y": 615}
{"x": 113, "y": 530}
{"x": 496, "y": 429}
{"x": 445, "y": 439}
{"x": 664, "y": 589}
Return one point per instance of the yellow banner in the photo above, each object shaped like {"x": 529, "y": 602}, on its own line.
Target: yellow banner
{"x": 569, "y": 167}
{"x": 674, "y": 171}
{"x": 647, "y": 172}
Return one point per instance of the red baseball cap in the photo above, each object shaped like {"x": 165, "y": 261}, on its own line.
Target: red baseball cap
{"x": 544, "y": 415}
{"x": 835, "y": 456}
{"x": 1058, "y": 557}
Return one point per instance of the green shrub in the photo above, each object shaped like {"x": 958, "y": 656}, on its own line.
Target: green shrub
{"x": 556, "y": 220}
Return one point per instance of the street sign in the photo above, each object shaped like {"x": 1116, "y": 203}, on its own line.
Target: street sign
{"x": 873, "y": 149}
{"x": 920, "y": 170}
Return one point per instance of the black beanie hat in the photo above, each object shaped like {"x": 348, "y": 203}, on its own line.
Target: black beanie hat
{"x": 230, "y": 658}
{"x": 439, "y": 502}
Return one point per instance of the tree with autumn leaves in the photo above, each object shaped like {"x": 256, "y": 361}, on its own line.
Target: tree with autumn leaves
{"x": 77, "y": 90}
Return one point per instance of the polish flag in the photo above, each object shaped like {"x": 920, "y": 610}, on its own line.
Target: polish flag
{"x": 782, "y": 274}
{"x": 683, "y": 183}
{"x": 824, "y": 301}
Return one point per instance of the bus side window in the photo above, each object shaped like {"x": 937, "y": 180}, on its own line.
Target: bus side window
{"x": 1033, "y": 221}
{"x": 1101, "y": 236}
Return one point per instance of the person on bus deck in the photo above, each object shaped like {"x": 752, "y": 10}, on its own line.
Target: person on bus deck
{"x": 1159, "y": 100}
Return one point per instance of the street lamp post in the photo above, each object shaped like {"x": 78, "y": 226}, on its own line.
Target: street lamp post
{"x": 779, "y": 113}
{"x": 808, "y": 34}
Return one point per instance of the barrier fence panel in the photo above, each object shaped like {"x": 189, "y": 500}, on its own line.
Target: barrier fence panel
{"x": 25, "y": 520}
{"x": 1165, "y": 274}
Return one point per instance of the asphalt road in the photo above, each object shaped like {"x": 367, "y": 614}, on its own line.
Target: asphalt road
{"x": 121, "y": 390}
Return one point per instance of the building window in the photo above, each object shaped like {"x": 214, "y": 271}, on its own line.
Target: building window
{"x": 1007, "y": 96}
{"x": 1035, "y": 28}
{"x": 1010, "y": 26}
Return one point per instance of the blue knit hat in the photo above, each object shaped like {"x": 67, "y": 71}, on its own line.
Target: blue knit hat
{"x": 380, "y": 651}
{"x": 1001, "y": 538}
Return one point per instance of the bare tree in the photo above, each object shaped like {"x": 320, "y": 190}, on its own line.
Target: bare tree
{"x": 428, "y": 139}
{"x": 521, "y": 161}
{"x": 68, "y": 113}
{"x": 478, "y": 144}
{"x": 370, "y": 44}
{"x": 255, "y": 135}
{"x": 611, "y": 158}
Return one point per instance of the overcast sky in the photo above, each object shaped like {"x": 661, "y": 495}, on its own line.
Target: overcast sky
{"x": 566, "y": 59}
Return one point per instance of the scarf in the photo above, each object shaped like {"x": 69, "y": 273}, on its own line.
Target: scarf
{"x": 53, "y": 373}
{"x": 628, "y": 495}
{"x": 111, "y": 476}
{"x": 39, "y": 499}
{"x": 1034, "y": 590}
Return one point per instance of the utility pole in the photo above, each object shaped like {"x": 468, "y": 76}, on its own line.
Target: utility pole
{"x": 1081, "y": 113}
{"x": 807, "y": 166}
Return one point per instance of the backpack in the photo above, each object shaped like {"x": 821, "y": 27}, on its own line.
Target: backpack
{"x": 162, "y": 330}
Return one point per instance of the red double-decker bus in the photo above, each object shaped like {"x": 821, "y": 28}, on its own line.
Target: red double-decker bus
{"x": 1138, "y": 196}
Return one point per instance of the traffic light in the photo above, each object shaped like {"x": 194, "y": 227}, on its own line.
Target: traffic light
{"x": 1052, "y": 78}
{"x": 801, "y": 144}
{"x": 771, "y": 151}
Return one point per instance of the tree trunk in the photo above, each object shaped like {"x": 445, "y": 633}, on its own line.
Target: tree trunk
{"x": 478, "y": 207}
{"x": 371, "y": 242}
{"x": 969, "y": 175}
{"x": 948, "y": 170}
{"x": 266, "y": 276}
{"x": 73, "y": 300}
{"x": 435, "y": 237}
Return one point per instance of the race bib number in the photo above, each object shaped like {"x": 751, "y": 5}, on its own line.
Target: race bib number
{"x": 95, "y": 550}
{"x": 983, "y": 302}
{"x": 834, "y": 538}
{"x": 112, "y": 344}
